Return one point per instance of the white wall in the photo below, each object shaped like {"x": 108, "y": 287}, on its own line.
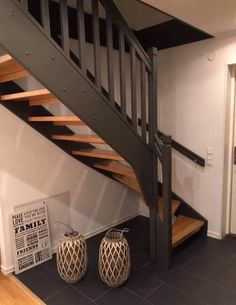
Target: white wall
{"x": 192, "y": 106}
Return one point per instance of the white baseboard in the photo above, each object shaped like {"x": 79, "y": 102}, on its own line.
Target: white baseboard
{"x": 115, "y": 223}
{"x": 214, "y": 235}
{"x": 7, "y": 270}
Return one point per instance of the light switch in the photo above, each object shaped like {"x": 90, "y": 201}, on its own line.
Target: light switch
{"x": 209, "y": 156}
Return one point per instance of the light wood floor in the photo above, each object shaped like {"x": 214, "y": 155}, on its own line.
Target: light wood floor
{"x": 13, "y": 292}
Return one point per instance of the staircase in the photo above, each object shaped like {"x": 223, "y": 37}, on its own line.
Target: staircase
{"x": 119, "y": 147}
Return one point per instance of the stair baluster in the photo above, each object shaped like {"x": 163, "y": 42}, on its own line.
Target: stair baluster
{"x": 110, "y": 66}
{"x": 25, "y": 4}
{"x": 133, "y": 70}
{"x": 96, "y": 44}
{"x": 64, "y": 26}
{"x": 81, "y": 34}
{"x": 45, "y": 18}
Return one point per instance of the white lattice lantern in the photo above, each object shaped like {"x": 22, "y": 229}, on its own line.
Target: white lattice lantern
{"x": 114, "y": 258}
{"x": 72, "y": 257}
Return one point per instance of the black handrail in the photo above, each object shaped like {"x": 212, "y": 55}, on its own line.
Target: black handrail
{"x": 186, "y": 151}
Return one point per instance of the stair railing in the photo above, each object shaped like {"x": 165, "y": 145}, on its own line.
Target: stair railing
{"x": 117, "y": 33}
{"x": 143, "y": 91}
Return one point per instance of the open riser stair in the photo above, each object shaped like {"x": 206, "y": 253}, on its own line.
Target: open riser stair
{"x": 123, "y": 141}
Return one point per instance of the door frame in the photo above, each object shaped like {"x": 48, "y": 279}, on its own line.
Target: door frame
{"x": 230, "y": 118}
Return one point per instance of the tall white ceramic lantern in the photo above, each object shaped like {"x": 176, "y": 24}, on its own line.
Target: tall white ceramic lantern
{"x": 72, "y": 257}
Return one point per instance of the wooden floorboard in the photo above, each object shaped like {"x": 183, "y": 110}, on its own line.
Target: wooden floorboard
{"x": 13, "y": 292}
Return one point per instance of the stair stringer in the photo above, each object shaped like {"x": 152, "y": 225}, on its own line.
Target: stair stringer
{"x": 45, "y": 60}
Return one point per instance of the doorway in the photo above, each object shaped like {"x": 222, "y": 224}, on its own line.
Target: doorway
{"x": 232, "y": 222}
{"x": 229, "y": 197}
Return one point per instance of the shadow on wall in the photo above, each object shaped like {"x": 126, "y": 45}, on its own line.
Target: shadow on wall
{"x": 106, "y": 202}
{"x": 167, "y": 97}
{"x": 186, "y": 183}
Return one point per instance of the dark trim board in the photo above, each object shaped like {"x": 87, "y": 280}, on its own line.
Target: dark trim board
{"x": 165, "y": 35}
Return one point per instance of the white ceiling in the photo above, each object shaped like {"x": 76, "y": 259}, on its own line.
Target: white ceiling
{"x": 140, "y": 16}
{"x": 215, "y": 17}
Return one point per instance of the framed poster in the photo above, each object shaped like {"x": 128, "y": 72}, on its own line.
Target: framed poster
{"x": 58, "y": 208}
{"x": 30, "y": 236}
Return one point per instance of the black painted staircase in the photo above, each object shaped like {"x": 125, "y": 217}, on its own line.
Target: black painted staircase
{"x": 133, "y": 150}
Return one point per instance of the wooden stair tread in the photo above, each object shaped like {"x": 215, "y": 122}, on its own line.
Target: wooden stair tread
{"x": 98, "y": 153}
{"x": 174, "y": 206}
{"x": 10, "y": 69}
{"x": 183, "y": 228}
{"x": 35, "y": 97}
{"x": 67, "y": 120}
{"x": 133, "y": 184}
{"x": 41, "y": 93}
{"x": 79, "y": 138}
{"x": 5, "y": 58}
{"x": 115, "y": 167}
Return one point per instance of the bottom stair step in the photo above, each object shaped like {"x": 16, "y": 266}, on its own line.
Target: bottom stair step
{"x": 183, "y": 228}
